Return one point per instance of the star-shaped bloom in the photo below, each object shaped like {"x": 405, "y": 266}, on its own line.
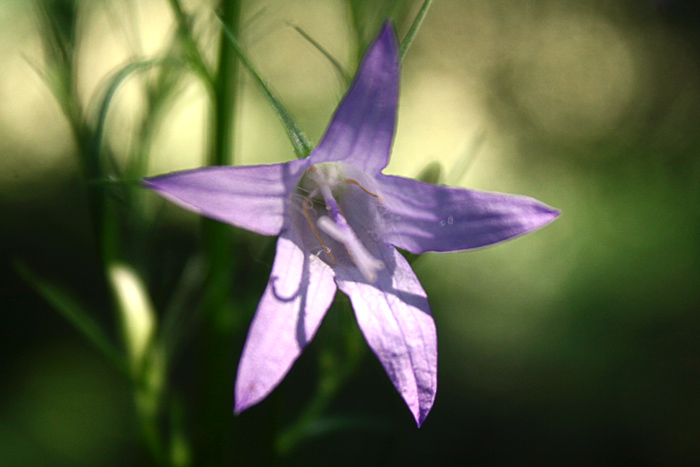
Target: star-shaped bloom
{"x": 339, "y": 221}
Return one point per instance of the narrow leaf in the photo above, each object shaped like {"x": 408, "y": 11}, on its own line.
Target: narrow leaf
{"x": 179, "y": 321}
{"x": 190, "y": 45}
{"x": 110, "y": 90}
{"x": 300, "y": 143}
{"x": 344, "y": 75}
{"x": 74, "y": 312}
{"x": 406, "y": 43}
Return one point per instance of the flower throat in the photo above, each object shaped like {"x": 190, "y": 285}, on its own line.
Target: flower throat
{"x": 324, "y": 185}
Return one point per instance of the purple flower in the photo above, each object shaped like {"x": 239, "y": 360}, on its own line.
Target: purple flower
{"x": 339, "y": 221}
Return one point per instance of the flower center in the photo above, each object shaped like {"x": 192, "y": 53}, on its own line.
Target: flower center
{"x": 339, "y": 215}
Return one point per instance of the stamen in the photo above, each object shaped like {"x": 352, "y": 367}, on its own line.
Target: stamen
{"x": 352, "y": 181}
{"x": 306, "y": 205}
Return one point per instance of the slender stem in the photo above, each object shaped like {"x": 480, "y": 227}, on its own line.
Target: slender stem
{"x": 225, "y": 87}
{"x": 414, "y": 28}
{"x": 219, "y": 323}
{"x": 148, "y": 417}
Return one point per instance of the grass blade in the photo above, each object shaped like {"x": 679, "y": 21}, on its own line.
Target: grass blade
{"x": 406, "y": 43}
{"x": 74, "y": 312}
{"x": 344, "y": 75}
{"x": 300, "y": 143}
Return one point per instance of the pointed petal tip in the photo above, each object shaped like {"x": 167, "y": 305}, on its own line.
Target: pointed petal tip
{"x": 387, "y": 28}
{"x": 165, "y": 187}
{"x": 362, "y": 129}
{"x": 420, "y": 418}
{"x": 238, "y": 407}
{"x": 548, "y": 214}
{"x": 541, "y": 215}
{"x": 419, "y": 409}
{"x": 249, "y": 391}
{"x": 421, "y": 413}
{"x": 245, "y": 400}
{"x": 387, "y": 36}
{"x": 156, "y": 185}
{"x": 149, "y": 182}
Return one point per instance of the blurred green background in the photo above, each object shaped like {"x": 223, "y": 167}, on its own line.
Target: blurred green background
{"x": 576, "y": 345}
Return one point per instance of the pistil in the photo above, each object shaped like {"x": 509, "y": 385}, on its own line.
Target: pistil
{"x": 337, "y": 227}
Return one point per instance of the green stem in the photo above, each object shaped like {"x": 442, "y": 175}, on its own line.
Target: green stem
{"x": 408, "y": 40}
{"x": 225, "y": 87}
{"x": 148, "y": 417}
{"x": 219, "y": 323}
{"x": 62, "y": 36}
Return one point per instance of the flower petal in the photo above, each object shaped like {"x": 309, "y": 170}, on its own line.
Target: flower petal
{"x": 395, "y": 318}
{"x": 249, "y": 197}
{"x": 362, "y": 128}
{"x": 422, "y": 217}
{"x": 298, "y": 294}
